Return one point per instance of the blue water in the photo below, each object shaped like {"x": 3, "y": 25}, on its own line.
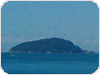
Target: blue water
{"x": 26, "y": 63}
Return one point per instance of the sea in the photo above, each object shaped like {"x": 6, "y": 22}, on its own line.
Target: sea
{"x": 42, "y": 63}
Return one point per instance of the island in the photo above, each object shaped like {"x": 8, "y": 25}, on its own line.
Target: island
{"x": 48, "y": 45}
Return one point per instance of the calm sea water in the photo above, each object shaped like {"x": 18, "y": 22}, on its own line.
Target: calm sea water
{"x": 27, "y": 63}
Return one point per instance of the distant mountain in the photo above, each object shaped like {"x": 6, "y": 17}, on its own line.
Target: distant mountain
{"x": 52, "y": 45}
{"x": 90, "y": 52}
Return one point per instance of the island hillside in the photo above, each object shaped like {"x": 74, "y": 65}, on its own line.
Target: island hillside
{"x": 52, "y": 45}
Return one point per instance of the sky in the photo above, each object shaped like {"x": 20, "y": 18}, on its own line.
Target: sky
{"x": 77, "y": 21}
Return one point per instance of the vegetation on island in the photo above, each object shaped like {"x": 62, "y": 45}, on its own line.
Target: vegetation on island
{"x": 52, "y": 45}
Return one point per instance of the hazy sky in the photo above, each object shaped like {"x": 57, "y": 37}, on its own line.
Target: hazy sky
{"x": 77, "y": 21}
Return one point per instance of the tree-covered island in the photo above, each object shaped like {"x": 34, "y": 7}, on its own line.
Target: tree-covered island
{"x": 52, "y": 45}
